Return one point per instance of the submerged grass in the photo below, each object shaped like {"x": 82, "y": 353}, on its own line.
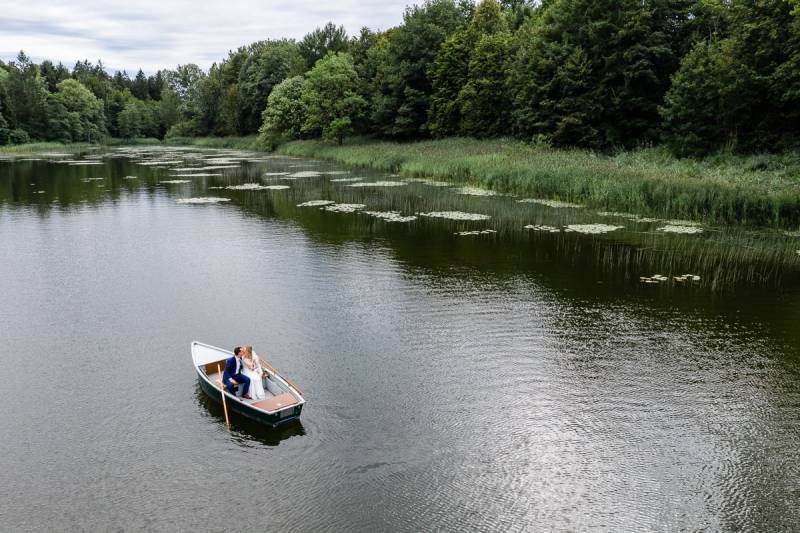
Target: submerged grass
{"x": 760, "y": 190}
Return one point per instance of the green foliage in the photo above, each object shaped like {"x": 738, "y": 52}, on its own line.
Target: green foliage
{"x": 322, "y": 41}
{"x": 270, "y": 63}
{"x": 593, "y": 73}
{"x": 728, "y": 190}
{"x": 139, "y": 119}
{"x": 27, "y": 97}
{"x": 401, "y": 102}
{"x": 18, "y": 136}
{"x": 483, "y": 100}
{"x": 75, "y": 114}
{"x": 742, "y": 92}
{"x": 285, "y": 114}
{"x": 331, "y": 97}
{"x": 448, "y": 77}
{"x": 139, "y": 87}
{"x": 4, "y": 131}
{"x": 469, "y": 77}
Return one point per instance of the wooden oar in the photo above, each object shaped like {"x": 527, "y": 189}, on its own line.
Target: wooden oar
{"x": 222, "y": 392}
{"x": 265, "y": 363}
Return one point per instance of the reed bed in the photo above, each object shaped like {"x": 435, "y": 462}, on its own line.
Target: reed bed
{"x": 761, "y": 190}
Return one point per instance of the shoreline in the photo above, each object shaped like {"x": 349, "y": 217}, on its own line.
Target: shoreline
{"x": 760, "y": 191}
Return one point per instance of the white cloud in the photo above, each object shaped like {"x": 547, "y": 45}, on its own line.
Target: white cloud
{"x": 153, "y": 35}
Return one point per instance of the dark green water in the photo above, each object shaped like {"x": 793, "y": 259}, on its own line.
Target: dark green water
{"x": 513, "y": 381}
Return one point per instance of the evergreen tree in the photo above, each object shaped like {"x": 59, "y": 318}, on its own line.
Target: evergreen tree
{"x": 401, "y": 102}
{"x": 469, "y": 77}
{"x": 594, "y": 72}
{"x": 322, "y": 41}
{"x": 26, "y": 94}
{"x": 742, "y": 91}
{"x": 139, "y": 87}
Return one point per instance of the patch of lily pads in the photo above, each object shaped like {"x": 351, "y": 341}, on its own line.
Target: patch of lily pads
{"x": 455, "y": 215}
{"x": 475, "y": 232}
{"x": 203, "y": 200}
{"x": 377, "y": 184}
{"x": 591, "y": 229}
{"x": 344, "y": 208}
{"x": 305, "y": 174}
{"x": 557, "y": 204}
{"x": 316, "y": 203}
{"x": 390, "y": 216}
{"x": 683, "y": 230}
{"x": 475, "y": 191}
{"x": 660, "y": 278}
{"x": 543, "y": 228}
{"x": 256, "y": 187}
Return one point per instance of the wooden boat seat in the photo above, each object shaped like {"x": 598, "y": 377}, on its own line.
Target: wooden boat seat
{"x": 276, "y": 402}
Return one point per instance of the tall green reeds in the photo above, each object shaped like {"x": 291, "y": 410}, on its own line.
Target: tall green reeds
{"x": 756, "y": 190}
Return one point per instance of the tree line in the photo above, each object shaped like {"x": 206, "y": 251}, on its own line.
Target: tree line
{"x": 696, "y": 75}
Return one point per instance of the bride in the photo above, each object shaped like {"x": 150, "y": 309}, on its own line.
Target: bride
{"x": 252, "y": 369}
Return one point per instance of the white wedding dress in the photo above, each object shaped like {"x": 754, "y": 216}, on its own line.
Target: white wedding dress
{"x": 256, "y": 390}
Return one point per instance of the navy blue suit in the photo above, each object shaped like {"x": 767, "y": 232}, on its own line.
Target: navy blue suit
{"x": 233, "y": 369}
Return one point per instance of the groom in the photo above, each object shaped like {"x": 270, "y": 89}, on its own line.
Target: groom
{"x": 232, "y": 375}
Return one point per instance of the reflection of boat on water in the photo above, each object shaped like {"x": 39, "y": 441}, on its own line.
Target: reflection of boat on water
{"x": 245, "y": 430}
{"x": 283, "y": 403}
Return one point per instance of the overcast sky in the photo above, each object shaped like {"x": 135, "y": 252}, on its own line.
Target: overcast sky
{"x": 162, "y": 34}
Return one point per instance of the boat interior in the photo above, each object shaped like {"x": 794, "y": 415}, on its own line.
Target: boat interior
{"x": 279, "y": 396}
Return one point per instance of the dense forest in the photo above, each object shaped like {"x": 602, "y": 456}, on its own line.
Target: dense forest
{"x": 697, "y": 75}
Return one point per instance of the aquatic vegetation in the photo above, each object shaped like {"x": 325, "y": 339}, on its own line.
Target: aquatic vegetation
{"x": 543, "y": 227}
{"x": 175, "y": 181}
{"x": 306, "y": 174}
{"x": 425, "y": 181}
{"x": 683, "y": 223}
{"x": 345, "y": 180}
{"x": 660, "y": 278}
{"x": 203, "y": 200}
{"x": 275, "y": 173}
{"x": 455, "y": 215}
{"x": 344, "y": 208}
{"x": 549, "y": 203}
{"x": 685, "y": 230}
{"x": 390, "y": 216}
{"x": 475, "y": 191}
{"x": 378, "y": 184}
{"x": 335, "y": 172}
{"x": 475, "y": 232}
{"x": 316, "y": 203}
{"x": 592, "y": 229}
{"x": 646, "y": 181}
{"x": 256, "y": 187}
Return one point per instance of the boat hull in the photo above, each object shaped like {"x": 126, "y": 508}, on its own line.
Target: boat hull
{"x": 243, "y": 409}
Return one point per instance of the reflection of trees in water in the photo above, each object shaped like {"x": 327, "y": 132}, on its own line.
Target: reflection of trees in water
{"x": 724, "y": 259}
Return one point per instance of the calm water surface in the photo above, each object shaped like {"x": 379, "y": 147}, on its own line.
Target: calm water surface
{"x": 517, "y": 381}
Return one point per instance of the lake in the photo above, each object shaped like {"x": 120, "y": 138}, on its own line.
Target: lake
{"x": 593, "y": 371}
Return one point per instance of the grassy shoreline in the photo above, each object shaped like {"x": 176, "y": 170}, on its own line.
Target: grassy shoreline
{"x": 761, "y": 190}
